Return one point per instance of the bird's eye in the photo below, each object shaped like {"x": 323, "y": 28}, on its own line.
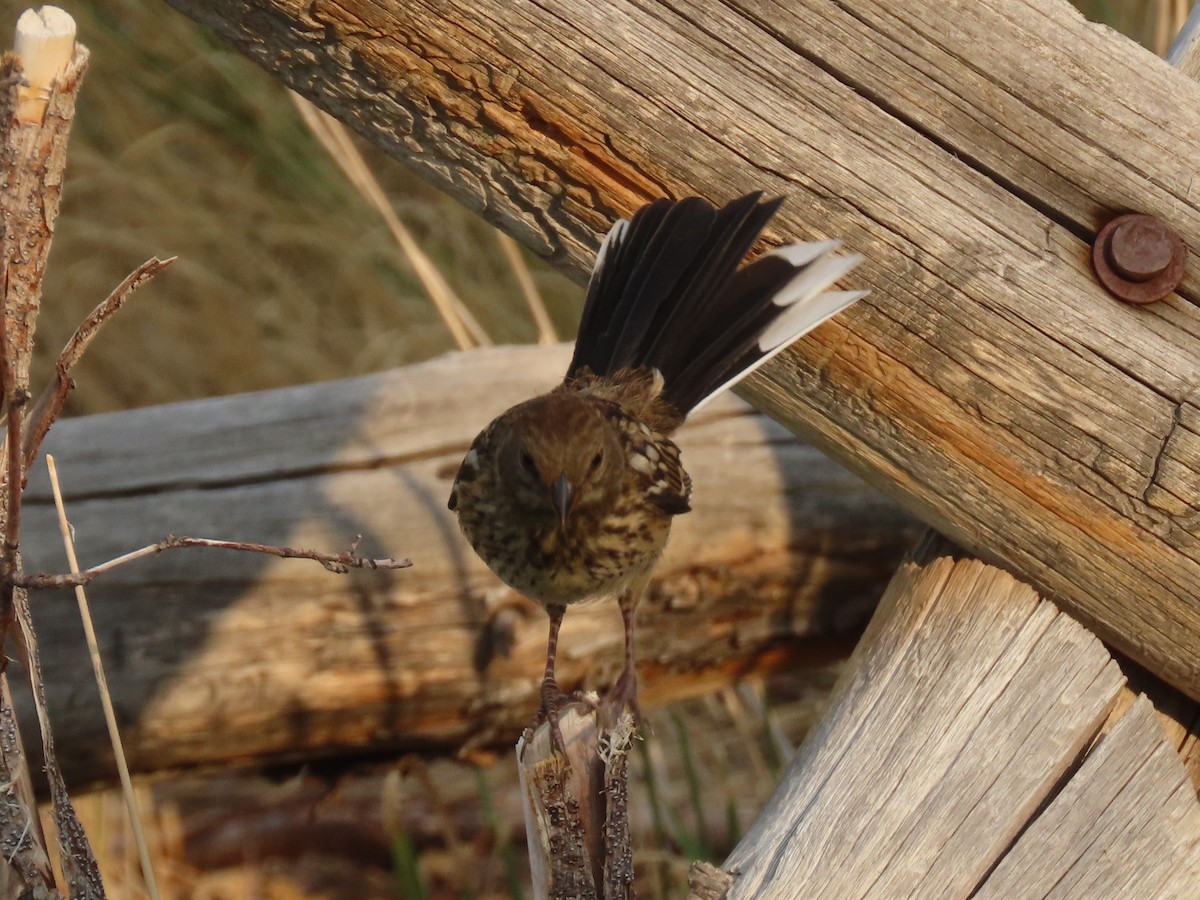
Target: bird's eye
{"x": 527, "y": 462}
{"x": 596, "y": 460}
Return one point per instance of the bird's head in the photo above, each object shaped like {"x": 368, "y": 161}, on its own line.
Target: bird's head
{"x": 560, "y": 455}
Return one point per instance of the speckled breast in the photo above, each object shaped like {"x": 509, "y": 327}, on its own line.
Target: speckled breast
{"x": 558, "y": 565}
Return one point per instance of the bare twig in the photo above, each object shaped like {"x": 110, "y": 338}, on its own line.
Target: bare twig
{"x": 110, "y": 717}
{"x": 464, "y": 328}
{"x": 33, "y": 140}
{"x": 50, "y": 404}
{"x": 75, "y": 851}
{"x": 32, "y": 158}
{"x": 339, "y": 563}
{"x": 512, "y": 252}
{"x": 83, "y": 335}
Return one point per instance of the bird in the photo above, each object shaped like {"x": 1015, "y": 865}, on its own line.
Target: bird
{"x": 570, "y": 495}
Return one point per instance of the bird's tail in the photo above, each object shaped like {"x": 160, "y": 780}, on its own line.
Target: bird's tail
{"x": 666, "y": 293}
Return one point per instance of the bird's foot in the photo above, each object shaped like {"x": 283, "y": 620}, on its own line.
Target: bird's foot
{"x": 553, "y": 700}
{"x": 622, "y": 696}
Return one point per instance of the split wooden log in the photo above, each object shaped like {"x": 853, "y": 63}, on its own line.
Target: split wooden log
{"x": 958, "y": 727}
{"x": 970, "y": 151}
{"x": 219, "y": 658}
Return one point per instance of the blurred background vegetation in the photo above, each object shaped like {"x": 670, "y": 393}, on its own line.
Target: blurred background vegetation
{"x": 287, "y": 275}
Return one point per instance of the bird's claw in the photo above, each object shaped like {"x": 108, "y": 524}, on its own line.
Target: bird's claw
{"x": 622, "y": 696}
{"x": 553, "y": 699}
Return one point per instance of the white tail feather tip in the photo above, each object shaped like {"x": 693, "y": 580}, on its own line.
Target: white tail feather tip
{"x": 803, "y": 253}
{"x": 802, "y": 318}
{"x": 815, "y": 277}
{"x": 614, "y": 235}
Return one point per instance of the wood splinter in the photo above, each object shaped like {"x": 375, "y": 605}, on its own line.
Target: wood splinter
{"x": 576, "y": 810}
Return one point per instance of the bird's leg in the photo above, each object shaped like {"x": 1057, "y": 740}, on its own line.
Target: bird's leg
{"x": 552, "y": 695}
{"x": 623, "y": 694}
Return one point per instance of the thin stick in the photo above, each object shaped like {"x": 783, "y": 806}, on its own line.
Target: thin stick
{"x": 335, "y": 137}
{"x": 512, "y": 252}
{"x": 110, "y": 718}
{"x": 464, "y": 328}
{"x": 50, "y": 404}
{"x": 338, "y": 563}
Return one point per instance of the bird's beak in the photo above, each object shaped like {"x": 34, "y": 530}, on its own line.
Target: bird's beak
{"x": 562, "y": 492}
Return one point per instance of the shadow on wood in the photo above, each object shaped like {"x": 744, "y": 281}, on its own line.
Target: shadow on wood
{"x": 219, "y": 659}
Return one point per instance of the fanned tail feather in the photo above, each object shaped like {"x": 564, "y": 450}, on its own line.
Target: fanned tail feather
{"x": 666, "y": 293}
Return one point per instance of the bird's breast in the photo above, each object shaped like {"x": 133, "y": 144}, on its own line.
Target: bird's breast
{"x": 594, "y": 554}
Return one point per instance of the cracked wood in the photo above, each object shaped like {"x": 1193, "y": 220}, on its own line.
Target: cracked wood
{"x": 964, "y": 754}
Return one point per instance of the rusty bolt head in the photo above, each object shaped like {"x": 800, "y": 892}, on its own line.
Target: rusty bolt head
{"x": 1139, "y": 259}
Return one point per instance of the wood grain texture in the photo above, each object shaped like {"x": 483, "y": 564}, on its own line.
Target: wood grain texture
{"x": 1178, "y": 714}
{"x": 1126, "y": 826}
{"x": 969, "y": 150}
{"x": 965, "y": 703}
{"x": 217, "y": 658}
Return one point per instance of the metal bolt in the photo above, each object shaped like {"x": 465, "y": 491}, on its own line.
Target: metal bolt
{"x": 1138, "y": 258}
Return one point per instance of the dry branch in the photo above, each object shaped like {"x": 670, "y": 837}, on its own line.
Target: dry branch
{"x": 338, "y": 563}
{"x": 53, "y": 399}
{"x": 33, "y": 157}
{"x": 577, "y": 808}
{"x": 40, "y": 80}
{"x": 988, "y": 383}
{"x": 779, "y": 565}
{"x": 28, "y": 862}
{"x": 110, "y": 718}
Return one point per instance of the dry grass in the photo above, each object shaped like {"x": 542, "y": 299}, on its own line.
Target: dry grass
{"x": 286, "y": 275}
{"x": 1152, "y": 23}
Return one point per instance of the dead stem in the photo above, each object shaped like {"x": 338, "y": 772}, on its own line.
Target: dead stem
{"x": 335, "y": 138}
{"x": 50, "y": 404}
{"x": 339, "y": 563}
{"x": 106, "y": 703}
